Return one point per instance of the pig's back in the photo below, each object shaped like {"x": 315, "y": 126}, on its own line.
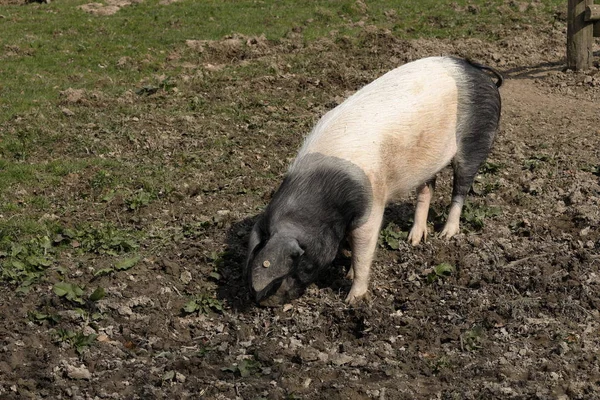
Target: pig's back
{"x": 400, "y": 129}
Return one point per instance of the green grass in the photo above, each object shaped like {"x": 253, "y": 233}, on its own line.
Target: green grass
{"x": 51, "y": 47}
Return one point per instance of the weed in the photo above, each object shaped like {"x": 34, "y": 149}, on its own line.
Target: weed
{"x": 102, "y": 179}
{"x": 440, "y": 271}
{"x": 438, "y": 364}
{"x": 520, "y": 227}
{"x": 490, "y": 168}
{"x": 122, "y": 265}
{"x": 69, "y": 291}
{"x": 534, "y": 162}
{"x": 39, "y": 317}
{"x": 474, "y": 215}
{"x": 24, "y": 263}
{"x": 98, "y": 294}
{"x": 139, "y": 199}
{"x": 391, "y": 236}
{"x": 472, "y": 339}
{"x": 101, "y": 239}
{"x": 79, "y": 340}
{"x": 216, "y": 261}
{"x": 203, "y": 303}
{"x": 244, "y": 368}
{"x": 593, "y": 169}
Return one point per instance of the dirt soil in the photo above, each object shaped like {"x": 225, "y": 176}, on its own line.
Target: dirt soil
{"x": 518, "y": 318}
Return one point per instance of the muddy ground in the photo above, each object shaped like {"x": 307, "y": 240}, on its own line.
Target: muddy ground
{"x": 518, "y": 318}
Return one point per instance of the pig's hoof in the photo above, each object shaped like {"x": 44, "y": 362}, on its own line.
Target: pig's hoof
{"x": 354, "y": 298}
{"x": 449, "y": 231}
{"x": 416, "y": 234}
{"x": 350, "y": 274}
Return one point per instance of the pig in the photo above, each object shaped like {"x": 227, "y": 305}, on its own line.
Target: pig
{"x": 389, "y": 138}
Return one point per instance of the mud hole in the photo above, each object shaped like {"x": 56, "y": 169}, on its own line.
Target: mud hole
{"x": 517, "y": 319}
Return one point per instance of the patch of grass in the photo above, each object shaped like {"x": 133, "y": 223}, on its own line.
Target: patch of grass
{"x": 100, "y": 239}
{"x": 25, "y": 262}
{"x": 50, "y": 47}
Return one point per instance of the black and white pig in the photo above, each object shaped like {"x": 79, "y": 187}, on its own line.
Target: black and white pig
{"x": 390, "y": 137}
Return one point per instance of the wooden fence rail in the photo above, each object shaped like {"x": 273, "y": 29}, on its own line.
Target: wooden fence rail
{"x": 583, "y": 23}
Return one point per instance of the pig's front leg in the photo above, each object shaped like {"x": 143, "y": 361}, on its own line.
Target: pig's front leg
{"x": 364, "y": 243}
{"x": 419, "y": 228}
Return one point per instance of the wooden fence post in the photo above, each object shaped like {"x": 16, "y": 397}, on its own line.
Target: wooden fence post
{"x": 592, "y": 15}
{"x": 579, "y": 36}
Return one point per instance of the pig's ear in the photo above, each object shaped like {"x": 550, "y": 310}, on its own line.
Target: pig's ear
{"x": 256, "y": 236}
{"x": 294, "y": 248}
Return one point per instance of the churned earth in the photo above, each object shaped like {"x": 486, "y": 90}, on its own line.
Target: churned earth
{"x": 509, "y": 308}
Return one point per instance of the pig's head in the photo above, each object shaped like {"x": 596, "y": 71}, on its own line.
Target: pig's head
{"x": 278, "y": 269}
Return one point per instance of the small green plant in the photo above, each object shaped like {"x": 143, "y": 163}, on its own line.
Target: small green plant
{"x": 102, "y": 179}
{"x": 216, "y": 260}
{"x": 101, "y": 239}
{"x": 474, "y": 215}
{"x": 472, "y": 339}
{"x": 520, "y": 227}
{"x": 74, "y": 293}
{"x": 438, "y": 364}
{"x": 23, "y": 263}
{"x": 139, "y": 200}
{"x": 440, "y": 271}
{"x": 79, "y": 340}
{"x": 39, "y": 317}
{"x": 593, "y": 169}
{"x": 203, "y": 304}
{"x": 69, "y": 291}
{"x": 244, "y": 368}
{"x": 122, "y": 265}
{"x": 534, "y": 162}
{"x": 490, "y": 168}
{"x": 391, "y": 236}
{"x": 98, "y": 294}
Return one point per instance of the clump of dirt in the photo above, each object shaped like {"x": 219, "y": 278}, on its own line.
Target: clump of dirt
{"x": 109, "y": 7}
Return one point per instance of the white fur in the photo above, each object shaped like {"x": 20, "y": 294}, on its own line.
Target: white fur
{"x": 400, "y": 129}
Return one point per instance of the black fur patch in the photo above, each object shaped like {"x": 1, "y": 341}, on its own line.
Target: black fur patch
{"x": 478, "y": 121}
{"x": 319, "y": 200}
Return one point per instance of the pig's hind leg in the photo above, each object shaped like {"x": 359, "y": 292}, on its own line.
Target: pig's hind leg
{"x": 419, "y": 228}
{"x": 473, "y": 151}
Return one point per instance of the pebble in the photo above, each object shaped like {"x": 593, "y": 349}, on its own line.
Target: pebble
{"x": 185, "y": 277}
{"x": 67, "y": 112}
{"x": 341, "y": 359}
{"x": 78, "y": 372}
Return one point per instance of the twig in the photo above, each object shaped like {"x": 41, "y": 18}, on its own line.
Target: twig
{"x": 522, "y": 260}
